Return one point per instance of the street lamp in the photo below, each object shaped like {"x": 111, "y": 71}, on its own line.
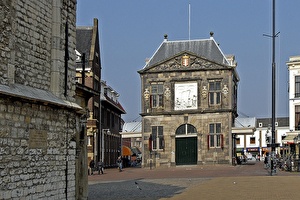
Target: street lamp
{"x": 107, "y": 131}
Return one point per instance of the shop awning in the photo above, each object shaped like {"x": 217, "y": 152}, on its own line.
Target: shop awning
{"x": 126, "y": 151}
{"x": 289, "y": 139}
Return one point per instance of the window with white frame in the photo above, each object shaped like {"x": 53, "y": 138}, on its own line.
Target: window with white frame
{"x": 157, "y": 138}
{"x": 214, "y": 92}
{"x": 156, "y": 97}
{"x": 297, "y": 86}
{"x": 215, "y": 138}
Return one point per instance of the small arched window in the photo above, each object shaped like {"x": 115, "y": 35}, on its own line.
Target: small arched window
{"x": 186, "y": 129}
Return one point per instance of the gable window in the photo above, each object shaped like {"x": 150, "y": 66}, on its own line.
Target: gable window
{"x": 215, "y": 138}
{"x": 297, "y": 86}
{"x": 214, "y": 92}
{"x": 157, "y": 138}
{"x": 156, "y": 97}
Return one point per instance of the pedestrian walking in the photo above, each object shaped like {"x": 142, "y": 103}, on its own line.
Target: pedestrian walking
{"x": 100, "y": 167}
{"x": 119, "y": 163}
{"x": 266, "y": 161}
{"x": 92, "y": 166}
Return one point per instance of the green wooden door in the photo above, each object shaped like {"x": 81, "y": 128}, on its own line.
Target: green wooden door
{"x": 186, "y": 151}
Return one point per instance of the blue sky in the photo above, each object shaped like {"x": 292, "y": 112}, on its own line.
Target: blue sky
{"x": 132, "y": 30}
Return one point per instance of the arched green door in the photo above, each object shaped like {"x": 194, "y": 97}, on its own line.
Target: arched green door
{"x": 186, "y": 151}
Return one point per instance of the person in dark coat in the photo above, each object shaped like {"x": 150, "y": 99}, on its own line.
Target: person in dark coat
{"x": 92, "y": 166}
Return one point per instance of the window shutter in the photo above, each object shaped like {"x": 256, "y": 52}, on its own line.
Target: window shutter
{"x": 151, "y": 101}
{"x": 222, "y": 141}
{"x": 208, "y": 141}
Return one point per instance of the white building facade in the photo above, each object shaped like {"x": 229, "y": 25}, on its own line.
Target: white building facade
{"x": 293, "y": 137}
{"x": 252, "y": 136}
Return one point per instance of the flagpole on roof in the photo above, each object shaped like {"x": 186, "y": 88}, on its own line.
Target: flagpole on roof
{"x": 189, "y": 21}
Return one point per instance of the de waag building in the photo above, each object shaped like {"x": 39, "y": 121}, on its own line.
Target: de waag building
{"x": 188, "y": 104}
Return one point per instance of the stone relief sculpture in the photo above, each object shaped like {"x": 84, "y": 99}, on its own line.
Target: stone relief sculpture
{"x": 225, "y": 90}
{"x": 167, "y": 93}
{"x": 146, "y": 94}
{"x": 204, "y": 92}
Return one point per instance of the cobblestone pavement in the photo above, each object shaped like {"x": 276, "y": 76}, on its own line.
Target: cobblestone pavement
{"x": 195, "y": 182}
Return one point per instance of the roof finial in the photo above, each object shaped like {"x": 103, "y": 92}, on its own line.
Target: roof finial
{"x": 166, "y": 37}
{"x": 211, "y": 34}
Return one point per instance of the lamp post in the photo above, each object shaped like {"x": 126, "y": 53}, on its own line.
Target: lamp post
{"x": 103, "y": 132}
{"x": 273, "y": 36}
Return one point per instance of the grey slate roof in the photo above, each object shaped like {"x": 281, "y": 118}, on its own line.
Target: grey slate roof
{"x": 206, "y": 48}
{"x": 84, "y": 40}
{"x": 134, "y": 127}
{"x": 245, "y": 122}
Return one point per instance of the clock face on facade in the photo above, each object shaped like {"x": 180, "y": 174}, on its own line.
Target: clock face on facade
{"x": 185, "y": 96}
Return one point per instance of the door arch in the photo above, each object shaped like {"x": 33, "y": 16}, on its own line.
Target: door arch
{"x": 186, "y": 148}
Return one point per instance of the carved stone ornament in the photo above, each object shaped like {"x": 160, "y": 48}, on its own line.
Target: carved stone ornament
{"x": 146, "y": 94}
{"x": 204, "y": 92}
{"x": 225, "y": 90}
{"x": 187, "y": 63}
{"x": 185, "y": 60}
{"x": 167, "y": 93}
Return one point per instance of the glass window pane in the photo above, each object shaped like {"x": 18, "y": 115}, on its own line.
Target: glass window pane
{"x": 180, "y": 130}
{"x": 154, "y": 137}
{"x": 218, "y": 85}
{"x": 160, "y": 130}
{"x": 160, "y": 103}
{"x": 211, "y": 98}
{"x": 218, "y": 96}
{"x": 211, "y": 128}
{"x": 160, "y": 89}
{"x": 212, "y": 141}
{"x": 154, "y": 89}
{"x": 191, "y": 129}
{"x": 218, "y": 128}
{"x": 211, "y": 86}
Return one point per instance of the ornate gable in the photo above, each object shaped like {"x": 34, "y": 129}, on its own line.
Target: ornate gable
{"x": 185, "y": 61}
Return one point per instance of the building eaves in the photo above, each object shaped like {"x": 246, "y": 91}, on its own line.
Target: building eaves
{"x": 36, "y": 95}
{"x": 114, "y": 104}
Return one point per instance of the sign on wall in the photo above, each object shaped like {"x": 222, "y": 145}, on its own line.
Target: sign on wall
{"x": 186, "y": 96}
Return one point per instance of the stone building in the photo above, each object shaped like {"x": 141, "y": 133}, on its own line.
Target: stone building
{"x": 111, "y": 125}
{"x": 42, "y": 132}
{"x": 104, "y": 121}
{"x": 189, "y": 103}
{"x": 89, "y": 66}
